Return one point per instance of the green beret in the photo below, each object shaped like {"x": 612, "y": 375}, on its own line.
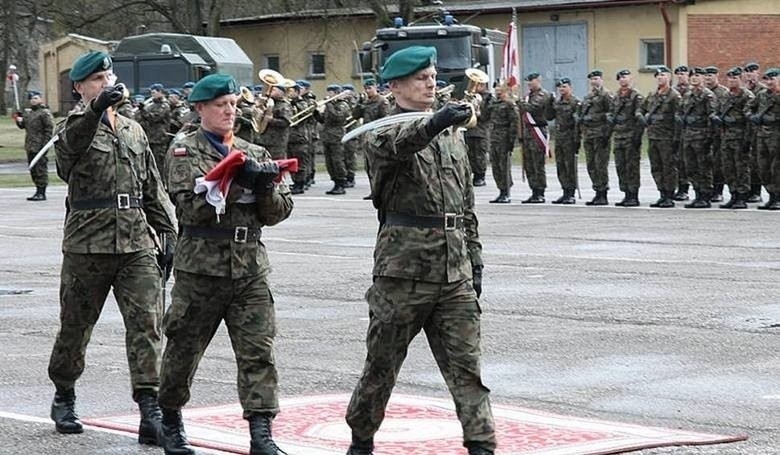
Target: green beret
{"x": 89, "y": 63}
{"x": 213, "y": 86}
{"x": 772, "y": 72}
{"x": 595, "y": 73}
{"x": 408, "y": 61}
{"x": 369, "y": 82}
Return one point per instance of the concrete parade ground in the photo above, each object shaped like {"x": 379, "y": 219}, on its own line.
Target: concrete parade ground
{"x": 652, "y": 317}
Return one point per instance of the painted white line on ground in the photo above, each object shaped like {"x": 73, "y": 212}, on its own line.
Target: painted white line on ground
{"x": 771, "y": 397}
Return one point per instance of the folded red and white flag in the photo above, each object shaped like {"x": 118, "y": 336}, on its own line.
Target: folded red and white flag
{"x": 216, "y": 183}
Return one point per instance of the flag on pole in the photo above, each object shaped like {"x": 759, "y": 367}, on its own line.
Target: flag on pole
{"x": 510, "y": 70}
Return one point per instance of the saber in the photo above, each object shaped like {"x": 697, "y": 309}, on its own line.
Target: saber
{"x": 43, "y": 151}
{"x": 385, "y": 121}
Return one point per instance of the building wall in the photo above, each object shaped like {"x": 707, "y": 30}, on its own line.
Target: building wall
{"x": 56, "y": 58}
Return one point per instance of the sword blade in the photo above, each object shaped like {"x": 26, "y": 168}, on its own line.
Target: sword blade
{"x": 389, "y": 120}
{"x": 43, "y": 151}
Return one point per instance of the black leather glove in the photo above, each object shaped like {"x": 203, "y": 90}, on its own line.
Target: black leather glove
{"x": 716, "y": 120}
{"x": 729, "y": 120}
{"x": 450, "y": 114}
{"x": 611, "y": 119}
{"x": 640, "y": 119}
{"x": 678, "y": 119}
{"x": 108, "y": 97}
{"x": 476, "y": 273}
{"x": 258, "y": 177}
{"x": 165, "y": 258}
{"x": 756, "y": 119}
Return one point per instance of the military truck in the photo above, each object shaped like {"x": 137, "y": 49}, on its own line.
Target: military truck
{"x": 172, "y": 59}
{"x": 458, "y": 47}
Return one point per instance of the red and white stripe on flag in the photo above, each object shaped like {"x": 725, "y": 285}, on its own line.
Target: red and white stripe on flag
{"x": 510, "y": 70}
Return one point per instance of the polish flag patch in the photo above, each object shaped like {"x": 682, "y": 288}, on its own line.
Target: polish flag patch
{"x": 180, "y": 151}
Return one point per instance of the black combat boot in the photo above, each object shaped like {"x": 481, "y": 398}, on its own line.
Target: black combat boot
{"x": 682, "y": 193}
{"x": 740, "y": 203}
{"x": 702, "y": 201}
{"x": 537, "y": 197}
{"x": 174, "y": 440}
{"x": 479, "y": 180}
{"x": 622, "y": 203}
{"x": 772, "y": 204}
{"x": 368, "y": 197}
{"x": 732, "y": 200}
{"x": 338, "y": 187}
{"x": 349, "y": 182}
{"x": 150, "y": 428}
{"x": 503, "y": 198}
{"x": 63, "y": 412}
{"x": 599, "y": 199}
{"x": 755, "y": 194}
{"x": 632, "y": 199}
{"x": 298, "y": 188}
{"x": 260, "y": 432}
{"x": 717, "y": 193}
{"x": 474, "y": 450}
{"x": 40, "y": 194}
{"x": 568, "y": 197}
{"x": 361, "y": 447}
{"x": 560, "y": 199}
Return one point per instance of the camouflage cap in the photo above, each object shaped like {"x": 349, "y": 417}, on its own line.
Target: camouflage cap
{"x": 408, "y": 61}
{"x": 89, "y": 63}
{"x": 213, "y": 86}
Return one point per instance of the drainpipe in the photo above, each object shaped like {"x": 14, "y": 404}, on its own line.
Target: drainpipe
{"x": 668, "y": 34}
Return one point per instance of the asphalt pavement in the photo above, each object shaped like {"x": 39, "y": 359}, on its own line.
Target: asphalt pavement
{"x": 662, "y": 317}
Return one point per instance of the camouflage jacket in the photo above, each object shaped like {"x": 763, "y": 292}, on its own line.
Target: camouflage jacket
{"x": 178, "y": 114}
{"x": 300, "y": 133}
{"x": 682, "y": 89}
{"x": 624, "y": 110}
{"x": 243, "y": 126}
{"x": 504, "y": 116}
{"x": 659, "y": 110}
{"x": 593, "y": 113}
{"x": 155, "y": 116}
{"x": 483, "y": 119}
{"x": 566, "y": 123}
{"x": 697, "y": 109}
{"x": 39, "y": 123}
{"x": 193, "y": 156}
{"x": 370, "y": 109}
{"x": 312, "y": 122}
{"x": 101, "y": 164}
{"x": 768, "y": 108}
{"x": 277, "y": 133}
{"x": 734, "y": 110}
{"x": 539, "y": 104}
{"x": 333, "y": 120}
{"x": 415, "y": 174}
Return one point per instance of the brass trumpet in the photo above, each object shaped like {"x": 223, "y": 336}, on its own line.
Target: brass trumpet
{"x": 309, "y": 111}
{"x": 248, "y": 98}
{"x": 445, "y": 90}
{"x": 471, "y": 96}
{"x": 264, "y": 103}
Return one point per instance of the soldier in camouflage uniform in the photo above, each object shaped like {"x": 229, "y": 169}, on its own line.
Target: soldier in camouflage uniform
{"x": 179, "y": 109}
{"x": 39, "y": 124}
{"x": 503, "y": 114}
{"x": 698, "y": 115}
{"x": 350, "y": 147}
{"x": 752, "y": 76}
{"x": 683, "y": 183}
{"x": 595, "y": 123}
{"x": 116, "y": 214}
{"x": 721, "y": 92}
{"x": 442, "y": 97}
{"x": 333, "y": 115}
{"x": 478, "y": 138}
{"x": 767, "y": 121}
{"x": 222, "y": 268}
{"x": 659, "y": 111}
{"x": 733, "y": 111}
{"x": 277, "y": 133}
{"x": 154, "y": 115}
{"x": 567, "y": 140}
{"x": 298, "y": 144}
{"x": 312, "y": 132}
{"x": 627, "y": 126}
{"x": 534, "y": 112}
{"x": 245, "y": 119}
{"x": 370, "y": 107}
{"x": 427, "y": 265}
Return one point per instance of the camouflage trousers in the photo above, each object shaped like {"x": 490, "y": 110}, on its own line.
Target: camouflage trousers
{"x": 663, "y": 163}
{"x": 698, "y": 161}
{"x": 566, "y": 150}
{"x": 717, "y": 160}
{"x": 299, "y": 150}
{"x": 478, "y": 154}
{"x": 39, "y": 172}
{"x": 315, "y": 146}
{"x": 597, "y": 161}
{"x": 755, "y": 173}
{"x": 85, "y": 281}
{"x": 278, "y": 152}
{"x": 200, "y": 303}
{"x": 682, "y": 172}
{"x": 334, "y": 160}
{"x": 159, "y": 151}
{"x": 736, "y": 163}
{"x": 534, "y": 158}
{"x": 351, "y": 149}
{"x": 450, "y": 316}
{"x": 627, "y": 156}
{"x": 769, "y": 161}
{"x": 501, "y": 162}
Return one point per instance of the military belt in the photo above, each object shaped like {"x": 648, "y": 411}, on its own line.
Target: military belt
{"x": 238, "y": 234}
{"x": 122, "y": 201}
{"x": 447, "y": 222}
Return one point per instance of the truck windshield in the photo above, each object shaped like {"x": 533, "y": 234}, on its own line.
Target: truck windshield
{"x": 169, "y": 73}
{"x": 452, "y": 52}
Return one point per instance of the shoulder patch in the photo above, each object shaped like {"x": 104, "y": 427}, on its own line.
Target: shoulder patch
{"x": 180, "y": 151}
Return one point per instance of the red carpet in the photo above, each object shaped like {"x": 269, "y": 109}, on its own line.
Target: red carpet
{"x": 414, "y": 425}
